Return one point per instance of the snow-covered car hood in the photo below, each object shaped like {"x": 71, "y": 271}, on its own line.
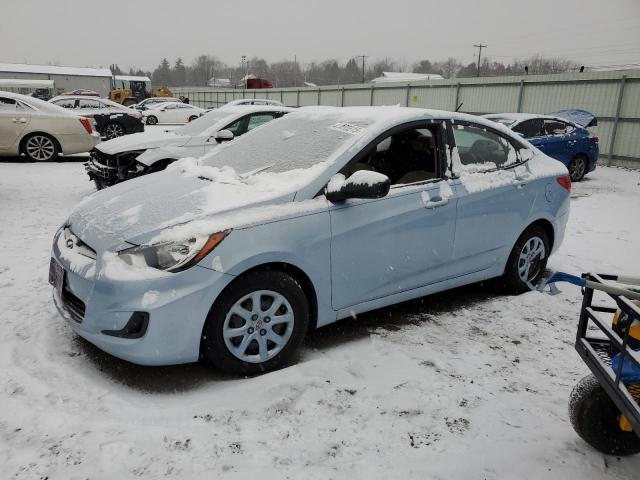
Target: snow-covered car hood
{"x": 142, "y": 141}
{"x": 143, "y": 208}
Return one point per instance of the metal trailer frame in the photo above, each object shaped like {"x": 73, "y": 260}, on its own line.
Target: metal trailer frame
{"x": 597, "y": 352}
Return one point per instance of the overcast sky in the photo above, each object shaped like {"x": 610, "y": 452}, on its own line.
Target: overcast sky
{"x": 140, "y": 32}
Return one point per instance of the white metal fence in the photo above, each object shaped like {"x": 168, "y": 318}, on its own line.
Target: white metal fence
{"x": 614, "y": 97}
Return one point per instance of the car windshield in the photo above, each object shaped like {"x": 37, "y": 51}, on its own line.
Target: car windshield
{"x": 296, "y": 141}
{"x": 199, "y": 125}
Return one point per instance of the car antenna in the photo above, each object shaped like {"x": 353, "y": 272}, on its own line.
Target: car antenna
{"x": 458, "y": 108}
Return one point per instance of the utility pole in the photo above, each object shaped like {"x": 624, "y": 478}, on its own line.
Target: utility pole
{"x": 244, "y": 84}
{"x": 479, "y": 47}
{"x": 295, "y": 70}
{"x": 362, "y": 57}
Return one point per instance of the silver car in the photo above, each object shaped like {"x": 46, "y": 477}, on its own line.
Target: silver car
{"x": 41, "y": 131}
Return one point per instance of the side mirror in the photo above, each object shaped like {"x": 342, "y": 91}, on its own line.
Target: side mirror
{"x": 362, "y": 184}
{"x": 224, "y": 136}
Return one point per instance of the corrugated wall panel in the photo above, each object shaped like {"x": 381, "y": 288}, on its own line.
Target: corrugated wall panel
{"x": 308, "y": 97}
{"x": 330, "y": 98}
{"x": 593, "y": 91}
{"x": 631, "y": 100}
{"x": 390, "y": 96}
{"x": 358, "y": 97}
{"x": 599, "y": 98}
{"x": 290, "y": 99}
{"x": 628, "y": 139}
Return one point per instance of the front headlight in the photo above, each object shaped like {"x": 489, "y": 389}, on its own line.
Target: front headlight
{"x": 173, "y": 256}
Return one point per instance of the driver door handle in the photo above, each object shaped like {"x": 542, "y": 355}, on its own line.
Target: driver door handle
{"x": 436, "y": 203}
{"x": 19, "y": 120}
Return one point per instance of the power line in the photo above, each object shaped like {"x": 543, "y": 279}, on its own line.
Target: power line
{"x": 479, "y": 47}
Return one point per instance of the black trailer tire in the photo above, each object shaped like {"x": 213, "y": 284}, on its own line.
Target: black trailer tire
{"x": 595, "y": 418}
{"x": 578, "y": 167}
{"x": 151, "y": 120}
{"x": 241, "y": 354}
{"x": 512, "y": 280}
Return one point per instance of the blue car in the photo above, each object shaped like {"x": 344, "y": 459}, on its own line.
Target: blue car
{"x": 311, "y": 218}
{"x": 562, "y": 135}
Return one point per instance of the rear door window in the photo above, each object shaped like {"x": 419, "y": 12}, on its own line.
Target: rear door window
{"x": 557, "y": 127}
{"x": 530, "y": 128}
{"x": 66, "y": 103}
{"x": 89, "y": 104}
{"x": 482, "y": 148}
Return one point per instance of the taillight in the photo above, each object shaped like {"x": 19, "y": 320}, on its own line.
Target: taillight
{"x": 86, "y": 124}
{"x": 594, "y": 139}
{"x": 565, "y": 182}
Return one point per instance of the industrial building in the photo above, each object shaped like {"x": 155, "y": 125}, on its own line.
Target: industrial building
{"x": 65, "y": 78}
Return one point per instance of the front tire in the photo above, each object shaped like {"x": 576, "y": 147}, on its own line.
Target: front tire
{"x": 577, "y": 168}
{"x": 151, "y": 120}
{"x": 40, "y": 147}
{"x": 527, "y": 260}
{"x": 596, "y": 419}
{"x": 257, "y": 324}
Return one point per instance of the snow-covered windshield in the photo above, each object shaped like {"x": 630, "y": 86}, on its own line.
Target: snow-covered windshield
{"x": 199, "y": 125}
{"x": 297, "y": 140}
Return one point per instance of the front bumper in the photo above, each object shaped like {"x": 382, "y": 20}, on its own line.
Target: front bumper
{"x": 177, "y": 306}
{"x": 111, "y": 169}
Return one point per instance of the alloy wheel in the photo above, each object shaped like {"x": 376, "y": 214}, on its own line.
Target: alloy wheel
{"x": 40, "y": 148}
{"x": 531, "y": 259}
{"x": 577, "y": 169}
{"x": 113, "y": 130}
{"x": 258, "y": 326}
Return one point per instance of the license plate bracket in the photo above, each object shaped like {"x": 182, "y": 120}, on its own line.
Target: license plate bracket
{"x": 56, "y": 275}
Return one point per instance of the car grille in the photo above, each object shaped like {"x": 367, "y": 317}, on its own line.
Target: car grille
{"x": 73, "y": 304}
{"x": 111, "y": 169}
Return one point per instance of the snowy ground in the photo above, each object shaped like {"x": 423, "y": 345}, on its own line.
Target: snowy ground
{"x": 463, "y": 385}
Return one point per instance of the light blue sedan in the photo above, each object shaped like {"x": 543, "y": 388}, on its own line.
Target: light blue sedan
{"x": 317, "y": 216}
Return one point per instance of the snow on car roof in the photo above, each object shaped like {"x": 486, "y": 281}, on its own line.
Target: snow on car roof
{"x": 55, "y": 70}
{"x": 38, "y": 104}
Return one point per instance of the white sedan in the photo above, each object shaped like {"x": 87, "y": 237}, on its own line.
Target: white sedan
{"x": 171, "y": 112}
{"x": 40, "y": 130}
{"x": 134, "y": 155}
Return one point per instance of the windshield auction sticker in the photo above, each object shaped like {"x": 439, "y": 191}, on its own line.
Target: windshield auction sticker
{"x": 349, "y": 128}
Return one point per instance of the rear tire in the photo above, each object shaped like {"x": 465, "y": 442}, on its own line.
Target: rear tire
{"x": 595, "y": 418}
{"x": 578, "y": 167}
{"x": 40, "y": 147}
{"x": 244, "y": 337}
{"x": 151, "y": 120}
{"x": 527, "y": 260}
{"x": 113, "y": 130}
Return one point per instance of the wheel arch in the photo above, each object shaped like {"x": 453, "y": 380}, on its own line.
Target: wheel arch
{"x": 38, "y": 132}
{"x": 547, "y": 226}
{"x": 295, "y": 272}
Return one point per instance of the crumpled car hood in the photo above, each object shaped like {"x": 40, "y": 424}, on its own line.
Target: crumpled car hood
{"x": 145, "y": 206}
{"x": 142, "y": 141}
